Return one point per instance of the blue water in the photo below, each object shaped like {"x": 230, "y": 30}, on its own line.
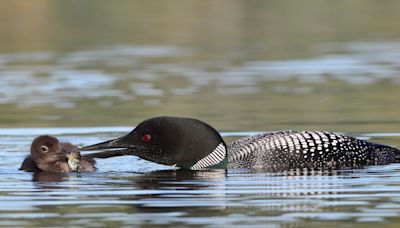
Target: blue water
{"x": 127, "y": 191}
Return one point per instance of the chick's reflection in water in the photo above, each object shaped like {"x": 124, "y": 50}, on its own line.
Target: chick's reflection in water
{"x": 48, "y": 177}
{"x": 49, "y": 155}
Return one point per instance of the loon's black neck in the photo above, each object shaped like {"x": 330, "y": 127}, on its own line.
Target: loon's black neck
{"x": 182, "y": 142}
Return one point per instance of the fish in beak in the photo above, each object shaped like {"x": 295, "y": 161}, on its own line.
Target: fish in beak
{"x": 74, "y": 162}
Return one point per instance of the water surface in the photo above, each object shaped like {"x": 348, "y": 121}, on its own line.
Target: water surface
{"x": 88, "y": 71}
{"x": 128, "y": 191}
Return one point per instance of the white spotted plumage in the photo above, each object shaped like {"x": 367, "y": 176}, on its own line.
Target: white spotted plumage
{"x": 306, "y": 149}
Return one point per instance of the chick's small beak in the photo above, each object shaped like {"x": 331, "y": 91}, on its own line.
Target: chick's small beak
{"x": 74, "y": 162}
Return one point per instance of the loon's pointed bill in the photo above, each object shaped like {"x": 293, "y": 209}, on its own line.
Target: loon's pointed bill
{"x": 113, "y": 148}
{"x": 169, "y": 141}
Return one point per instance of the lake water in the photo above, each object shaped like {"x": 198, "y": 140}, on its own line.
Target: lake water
{"x": 128, "y": 191}
{"x": 90, "y": 71}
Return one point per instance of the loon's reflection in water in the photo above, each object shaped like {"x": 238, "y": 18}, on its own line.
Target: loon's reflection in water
{"x": 239, "y": 195}
{"x": 187, "y": 190}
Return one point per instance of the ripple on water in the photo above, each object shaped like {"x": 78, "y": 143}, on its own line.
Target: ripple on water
{"x": 130, "y": 191}
{"x": 61, "y": 80}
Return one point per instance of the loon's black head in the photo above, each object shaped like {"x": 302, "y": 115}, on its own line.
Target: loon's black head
{"x": 182, "y": 142}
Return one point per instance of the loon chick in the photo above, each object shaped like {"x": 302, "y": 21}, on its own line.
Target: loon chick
{"x": 193, "y": 144}
{"x": 49, "y": 155}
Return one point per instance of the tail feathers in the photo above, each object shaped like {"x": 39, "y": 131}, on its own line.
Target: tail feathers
{"x": 397, "y": 156}
{"x": 385, "y": 154}
{"x": 29, "y": 165}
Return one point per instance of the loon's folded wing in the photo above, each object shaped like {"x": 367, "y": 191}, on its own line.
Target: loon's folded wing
{"x": 306, "y": 149}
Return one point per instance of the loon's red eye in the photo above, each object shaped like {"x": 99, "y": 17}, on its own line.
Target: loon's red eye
{"x": 146, "y": 137}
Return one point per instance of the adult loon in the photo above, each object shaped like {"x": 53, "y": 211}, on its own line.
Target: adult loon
{"x": 49, "y": 155}
{"x": 193, "y": 144}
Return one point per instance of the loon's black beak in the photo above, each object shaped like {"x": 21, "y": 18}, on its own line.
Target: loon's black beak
{"x": 111, "y": 148}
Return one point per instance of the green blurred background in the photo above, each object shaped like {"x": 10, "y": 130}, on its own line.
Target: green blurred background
{"x": 238, "y": 65}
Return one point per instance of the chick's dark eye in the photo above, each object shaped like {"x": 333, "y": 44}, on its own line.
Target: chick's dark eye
{"x": 146, "y": 137}
{"x": 44, "y": 148}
